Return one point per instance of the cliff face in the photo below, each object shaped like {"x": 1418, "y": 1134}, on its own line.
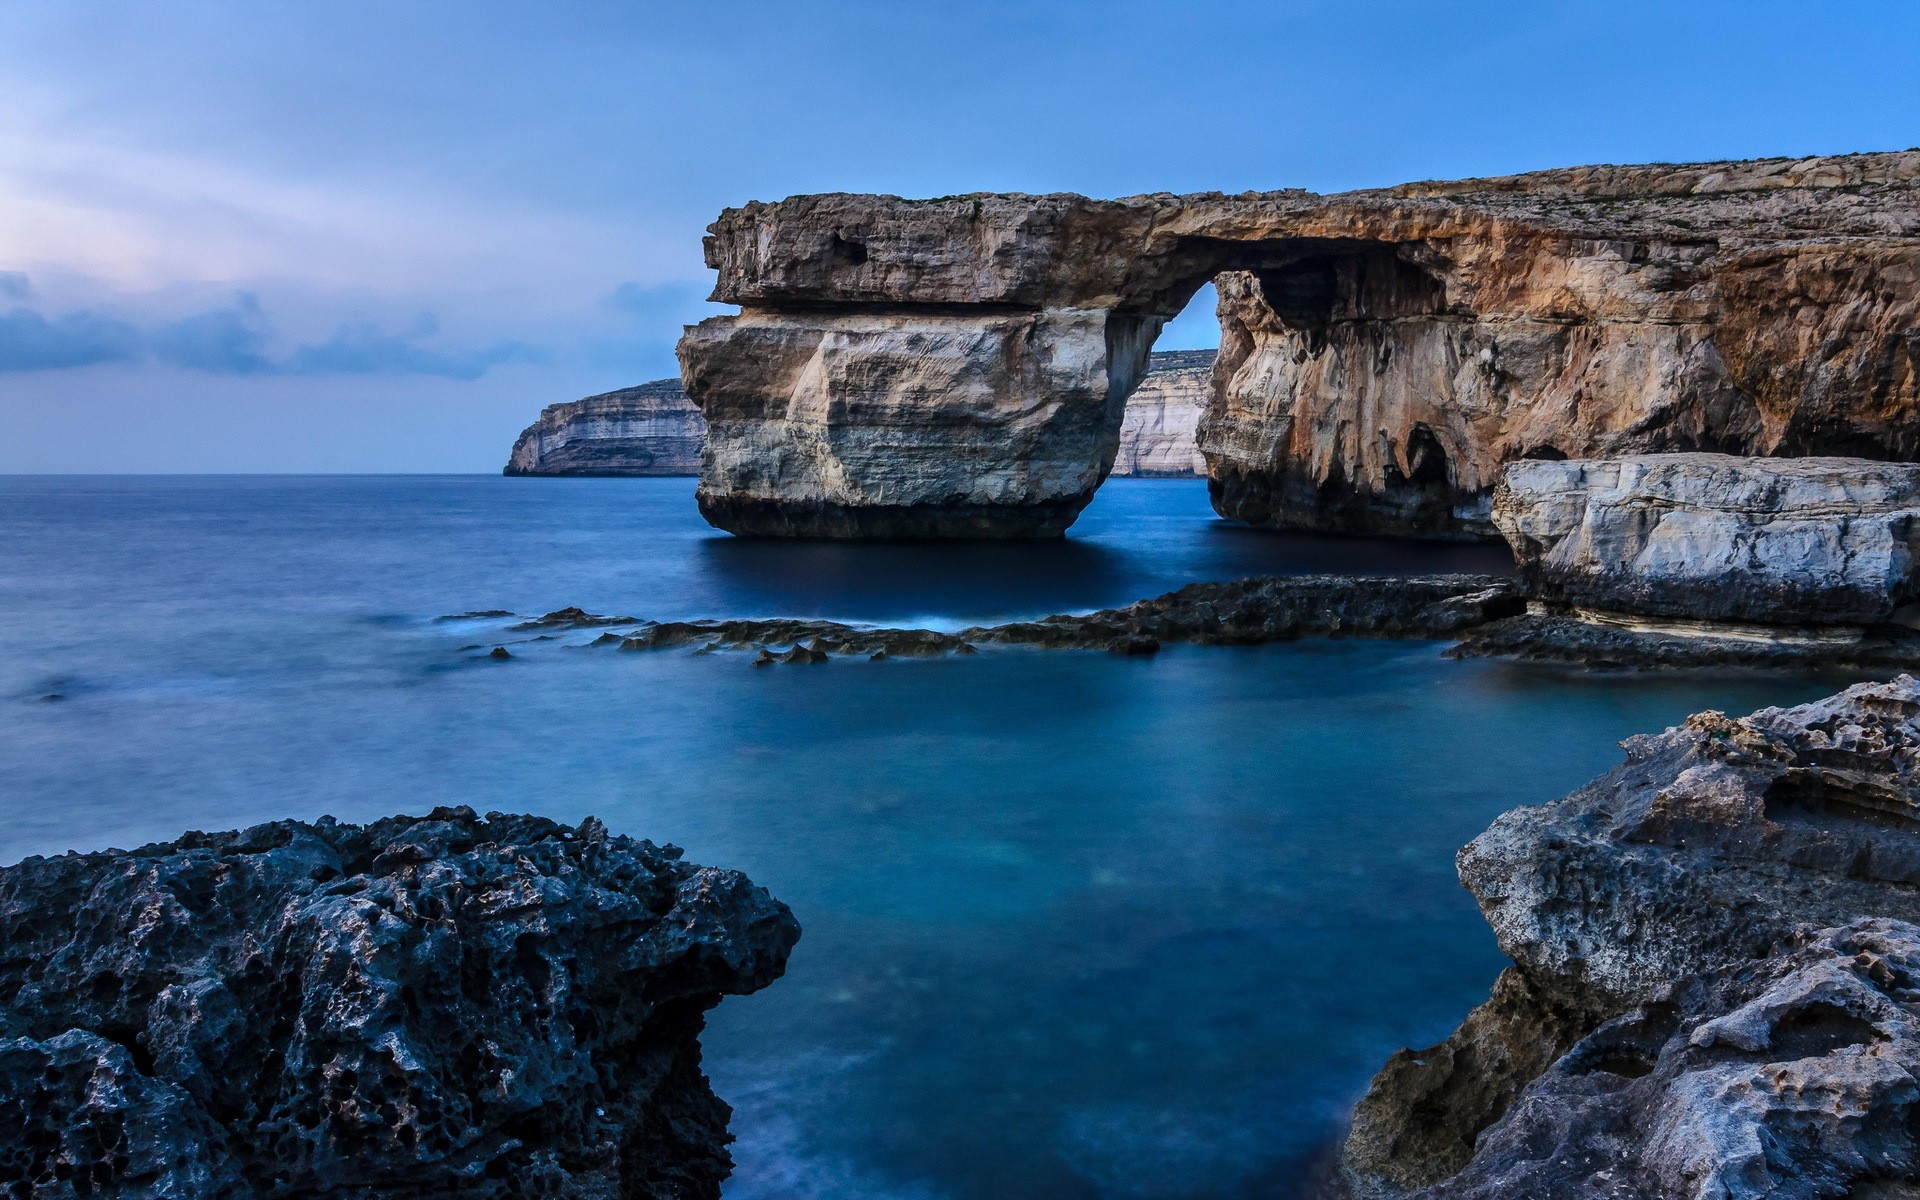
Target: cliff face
{"x": 441, "y": 1006}
{"x": 1676, "y": 1022}
{"x": 1162, "y": 421}
{"x": 652, "y": 429}
{"x": 960, "y": 366}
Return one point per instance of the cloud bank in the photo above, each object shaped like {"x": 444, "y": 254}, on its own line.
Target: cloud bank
{"x": 236, "y": 339}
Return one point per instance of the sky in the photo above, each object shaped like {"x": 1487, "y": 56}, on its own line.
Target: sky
{"x": 347, "y": 236}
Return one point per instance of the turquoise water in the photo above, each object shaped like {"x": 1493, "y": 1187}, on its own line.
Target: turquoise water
{"x": 1076, "y": 925}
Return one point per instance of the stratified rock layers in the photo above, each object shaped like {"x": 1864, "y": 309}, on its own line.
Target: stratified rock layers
{"x": 652, "y": 429}
{"x": 440, "y": 1006}
{"x": 1158, "y": 435}
{"x": 1713, "y": 990}
{"x": 958, "y": 366}
{"x": 1710, "y": 537}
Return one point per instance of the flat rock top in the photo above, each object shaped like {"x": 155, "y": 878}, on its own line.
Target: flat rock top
{"x": 1719, "y": 481}
{"x": 1027, "y": 249}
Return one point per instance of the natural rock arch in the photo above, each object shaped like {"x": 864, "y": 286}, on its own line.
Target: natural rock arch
{"x": 959, "y": 367}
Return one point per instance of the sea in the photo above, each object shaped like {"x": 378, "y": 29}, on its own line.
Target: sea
{"x": 1075, "y": 925}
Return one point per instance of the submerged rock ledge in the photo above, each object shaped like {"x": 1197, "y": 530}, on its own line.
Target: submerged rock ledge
{"x": 443, "y": 1006}
{"x": 1486, "y": 615}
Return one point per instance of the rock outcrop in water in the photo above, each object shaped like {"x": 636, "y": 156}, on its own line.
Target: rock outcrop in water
{"x": 1706, "y": 537}
{"x": 652, "y": 429}
{"x": 1243, "y": 612}
{"x": 1713, "y": 990}
{"x": 959, "y": 366}
{"x": 440, "y": 1006}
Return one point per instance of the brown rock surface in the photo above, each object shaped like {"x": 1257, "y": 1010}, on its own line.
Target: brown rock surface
{"x": 959, "y": 366}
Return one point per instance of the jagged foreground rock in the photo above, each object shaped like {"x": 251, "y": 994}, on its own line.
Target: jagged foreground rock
{"x": 443, "y": 1006}
{"x": 654, "y": 429}
{"x": 1707, "y": 537}
{"x": 1715, "y": 990}
{"x": 959, "y": 366}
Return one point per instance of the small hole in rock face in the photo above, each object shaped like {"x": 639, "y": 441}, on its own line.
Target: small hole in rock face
{"x": 1818, "y": 1030}
{"x": 847, "y": 250}
{"x": 1631, "y": 1062}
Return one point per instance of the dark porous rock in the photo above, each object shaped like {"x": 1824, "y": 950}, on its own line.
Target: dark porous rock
{"x": 1551, "y": 637}
{"x": 824, "y": 637}
{"x": 1275, "y": 608}
{"x": 1717, "y": 847}
{"x": 1264, "y": 608}
{"x": 574, "y": 618}
{"x": 442, "y": 1006}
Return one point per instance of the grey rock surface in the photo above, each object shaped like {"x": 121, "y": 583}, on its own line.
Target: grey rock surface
{"x": 959, "y": 366}
{"x": 1708, "y": 860}
{"x": 1793, "y": 1077}
{"x": 441, "y": 1006}
{"x": 652, "y": 429}
{"x": 1713, "y": 537}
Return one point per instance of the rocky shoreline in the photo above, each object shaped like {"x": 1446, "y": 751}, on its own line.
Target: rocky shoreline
{"x": 1714, "y": 981}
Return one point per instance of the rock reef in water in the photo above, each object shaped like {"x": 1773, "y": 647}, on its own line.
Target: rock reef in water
{"x": 1716, "y": 982}
{"x": 652, "y": 429}
{"x": 1252, "y": 611}
{"x": 437, "y": 1006}
{"x": 959, "y": 367}
{"x": 1486, "y": 616}
{"x": 1807, "y": 541}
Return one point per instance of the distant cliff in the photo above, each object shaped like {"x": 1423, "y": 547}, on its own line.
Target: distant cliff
{"x": 1157, "y": 436}
{"x": 653, "y": 429}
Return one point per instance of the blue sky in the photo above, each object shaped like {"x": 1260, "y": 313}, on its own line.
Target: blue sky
{"x": 350, "y": 236}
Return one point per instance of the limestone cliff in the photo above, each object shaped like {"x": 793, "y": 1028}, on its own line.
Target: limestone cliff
{"x": 1157, "y": 434}
{"x": 959, "y": 366}
{"x": 652, "y": 429}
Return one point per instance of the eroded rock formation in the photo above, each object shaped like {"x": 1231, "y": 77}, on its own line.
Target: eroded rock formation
{"x": 1707, "y": 537}
{"x": 959, "y": 366}
{"x": 1676, "y": 1023}
{"x": 652, "y": 429}
{"x": 440, "y": 1006}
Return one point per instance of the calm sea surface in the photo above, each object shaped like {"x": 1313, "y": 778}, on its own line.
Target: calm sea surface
{"x": 1076, "y": 925}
